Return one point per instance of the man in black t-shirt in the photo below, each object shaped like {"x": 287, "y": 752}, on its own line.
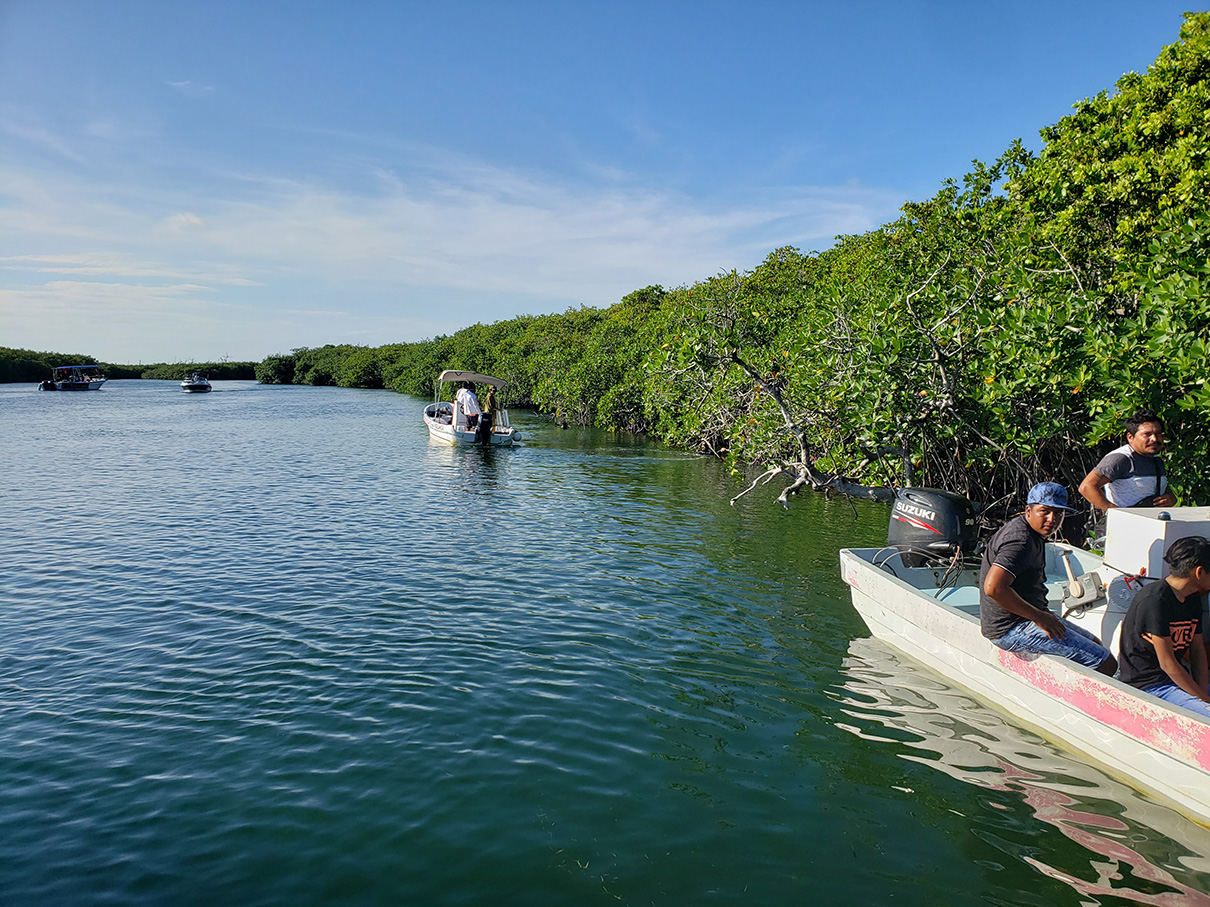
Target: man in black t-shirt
{"x": 1162, "y": 649}
{"x": 1013, "y": 611}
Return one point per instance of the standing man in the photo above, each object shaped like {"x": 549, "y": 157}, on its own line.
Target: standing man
{"x": 466, "y": 399}
{"x": 1132, "y": 475}
{"x": 1013, "y": 611}
{"x": 1163, "y": 630}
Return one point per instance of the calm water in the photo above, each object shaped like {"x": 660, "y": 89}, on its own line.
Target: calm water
{"x": 271, "y": 646}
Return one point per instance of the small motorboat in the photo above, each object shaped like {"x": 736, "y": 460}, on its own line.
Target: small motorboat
{"x": 447, "y": 422}
{"x": 74, "y": 378}
{"x": 196, "y": 383}
{"x": 927, "y": 606}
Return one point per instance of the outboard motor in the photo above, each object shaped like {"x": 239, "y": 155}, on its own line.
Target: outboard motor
{"x": 929, "y": 525}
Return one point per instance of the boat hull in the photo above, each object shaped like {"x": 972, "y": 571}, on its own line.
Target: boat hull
{"x": 438, "y": 418}
{"x": 447, "y": 434}
{"x": 195, "y": 388}
{"x": 79, "y": 385}
{"x": 1159, "y": 749}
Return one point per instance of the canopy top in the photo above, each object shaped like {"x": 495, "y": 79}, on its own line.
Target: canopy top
{"x": 473, "y": 377}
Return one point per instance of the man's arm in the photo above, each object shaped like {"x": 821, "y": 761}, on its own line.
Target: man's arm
{"x": 999, "y": 588}
{"x": 1197, "y": 660}
{"x": 1091, "y": 489}
{"x": 1174, "y": 669}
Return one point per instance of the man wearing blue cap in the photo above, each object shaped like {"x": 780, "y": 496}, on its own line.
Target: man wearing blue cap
{"x": 1013, "y": 612}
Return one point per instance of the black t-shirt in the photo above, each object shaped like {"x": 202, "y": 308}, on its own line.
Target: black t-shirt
{"x": 1156, "y": 610}
{"x": 1022, "y": 552}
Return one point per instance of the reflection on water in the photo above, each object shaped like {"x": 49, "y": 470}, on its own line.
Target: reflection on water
{"x": 1137, "y": 851}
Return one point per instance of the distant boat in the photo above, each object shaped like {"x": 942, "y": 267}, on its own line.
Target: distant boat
{"x": 447, "y": 422}
{"x": 74, "y": 378}
{"x": 196, "y": 383}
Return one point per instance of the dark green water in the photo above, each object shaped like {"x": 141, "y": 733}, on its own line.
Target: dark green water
{"x": 272, "y": 646}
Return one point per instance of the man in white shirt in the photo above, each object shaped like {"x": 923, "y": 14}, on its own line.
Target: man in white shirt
{"x": 469, "y": 404}
{"x": 1133, "y": 475}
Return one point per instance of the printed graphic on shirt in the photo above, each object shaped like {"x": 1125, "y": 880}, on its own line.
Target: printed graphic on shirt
{"x": 1182, "y": 635}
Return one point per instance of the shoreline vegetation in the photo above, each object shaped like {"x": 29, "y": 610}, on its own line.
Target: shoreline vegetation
{"x": 32, "y": 366}
{"x": 991, "y": 337}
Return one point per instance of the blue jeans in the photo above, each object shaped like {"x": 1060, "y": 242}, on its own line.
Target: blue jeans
{"x": 1170, "y": 692}
{"x": 1078, "y": 645}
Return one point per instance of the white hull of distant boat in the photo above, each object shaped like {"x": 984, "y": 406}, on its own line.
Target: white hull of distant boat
{"x": 447, "y": 423}
{"x": 92, "y": 384}
{"x": 74, "y": 378}
{"x": 196, "y": 384}
{"x": 1158, "y": 748}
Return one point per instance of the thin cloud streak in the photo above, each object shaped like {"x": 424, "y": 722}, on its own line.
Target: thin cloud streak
{"x": 464, "y": 231}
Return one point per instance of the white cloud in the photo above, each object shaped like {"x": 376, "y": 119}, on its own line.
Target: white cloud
{"x": 118, "y": 264}
{"x": 182, "y": 221}
{"x": 280, "y": 252}
{"x": 191, "y": 89}
{"x": 41, "y": 138}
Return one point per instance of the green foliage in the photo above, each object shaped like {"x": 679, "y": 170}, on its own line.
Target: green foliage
{"x": 278, "y": 369}
{"x": 1122, "y": 161}
{"x": 178, "y": 371}
{"x": 28, "y": 365}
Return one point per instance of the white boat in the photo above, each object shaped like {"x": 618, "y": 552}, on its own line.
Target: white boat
{"x": 447, "y": 422}
{"x": 931, "y": 614}
{"x": 196, "y": 383}
{"x": 74, "y": 378}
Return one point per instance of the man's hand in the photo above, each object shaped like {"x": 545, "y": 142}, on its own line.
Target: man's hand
{"x": 1053, "y": 627}
{"x": 999, "y": 588}
{"x": 1167, "y": 499}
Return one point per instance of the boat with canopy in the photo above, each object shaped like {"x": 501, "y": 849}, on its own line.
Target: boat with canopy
{"x": 448, "y": 421}
{"x": 74, "y": 378}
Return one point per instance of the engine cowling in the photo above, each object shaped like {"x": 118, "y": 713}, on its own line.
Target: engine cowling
{"x": 929, "y": 525}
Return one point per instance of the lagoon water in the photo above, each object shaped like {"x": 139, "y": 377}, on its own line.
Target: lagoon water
{"x": 271, "y": 646}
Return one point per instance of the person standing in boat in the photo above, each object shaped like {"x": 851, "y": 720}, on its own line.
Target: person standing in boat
{"x": 469, "y": 403}
{"x": 1013, "y": 611}
{"x": 1133, "y": 475}
{"x": 1162, "y": 643}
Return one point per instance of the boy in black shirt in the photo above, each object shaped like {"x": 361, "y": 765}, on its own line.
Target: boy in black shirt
{"x": 1163, "y": 629}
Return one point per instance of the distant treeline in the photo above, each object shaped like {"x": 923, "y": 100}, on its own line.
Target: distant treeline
{"x": 992, "y": 336}
{"x": 29, "y": 365}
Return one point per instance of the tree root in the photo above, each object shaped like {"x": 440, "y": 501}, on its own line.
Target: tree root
{"x": 802, "y": 475}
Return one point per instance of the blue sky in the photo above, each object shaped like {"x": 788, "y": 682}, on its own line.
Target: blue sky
{"x": 219, "y": 179}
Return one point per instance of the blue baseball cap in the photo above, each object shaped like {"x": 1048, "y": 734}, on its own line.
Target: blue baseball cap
{"x": 1052, "y": 494}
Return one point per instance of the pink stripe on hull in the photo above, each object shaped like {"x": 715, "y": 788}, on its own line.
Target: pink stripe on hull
{"x": 1131, "y": 713}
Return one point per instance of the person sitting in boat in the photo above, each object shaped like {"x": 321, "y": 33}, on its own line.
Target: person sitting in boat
{"x": 1133, "y": 474}
{"x": 469, "y": 404}
{"x": 1162, "y": 644}
{"x": 1013, "y": 612}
